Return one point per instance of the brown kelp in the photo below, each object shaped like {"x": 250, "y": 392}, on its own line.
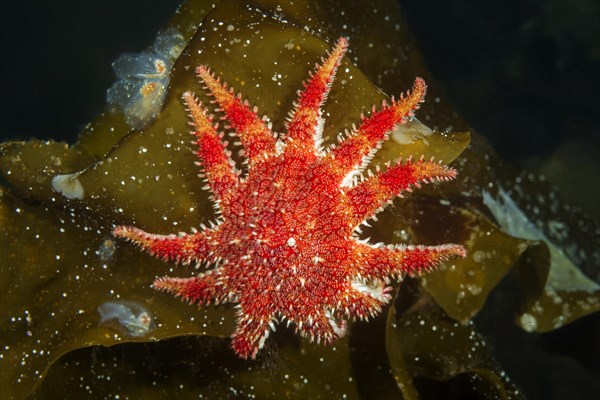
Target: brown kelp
{"x": 77, "y": 308}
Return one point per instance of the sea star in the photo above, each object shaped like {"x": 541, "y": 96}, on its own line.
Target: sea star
{"x": 285, "y": 246}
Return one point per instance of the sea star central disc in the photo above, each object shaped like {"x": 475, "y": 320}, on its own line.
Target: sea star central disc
{"x": 285, "y": 246}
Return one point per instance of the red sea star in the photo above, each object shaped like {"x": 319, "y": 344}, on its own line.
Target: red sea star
{"x": 285, "y": 245}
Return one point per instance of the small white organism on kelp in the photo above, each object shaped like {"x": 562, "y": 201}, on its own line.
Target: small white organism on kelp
{"x": 143, "y": 79}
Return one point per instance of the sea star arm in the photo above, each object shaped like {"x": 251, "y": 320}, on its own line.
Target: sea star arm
{"x": 202, "y": 289}
{"x": 321, "y": 327}
{"x": 303, "y": 128}
{"x": 284, "y": 245}
{"x": 212, "y": 151}
{"x": 364, "y": 302}
{"x": 255, "y": 136}
{"x": 251, "y": 333}
{"x": 356, "y": 151}
{"x": 367, "y": 197}
{"x": 183, "y": 248}
{"x": 399, "y": 260}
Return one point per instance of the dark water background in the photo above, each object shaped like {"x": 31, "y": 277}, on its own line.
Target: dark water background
{"x": 524, "y": 73}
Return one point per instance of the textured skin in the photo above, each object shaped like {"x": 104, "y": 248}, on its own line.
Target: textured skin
{"x": 285, "y": 246}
